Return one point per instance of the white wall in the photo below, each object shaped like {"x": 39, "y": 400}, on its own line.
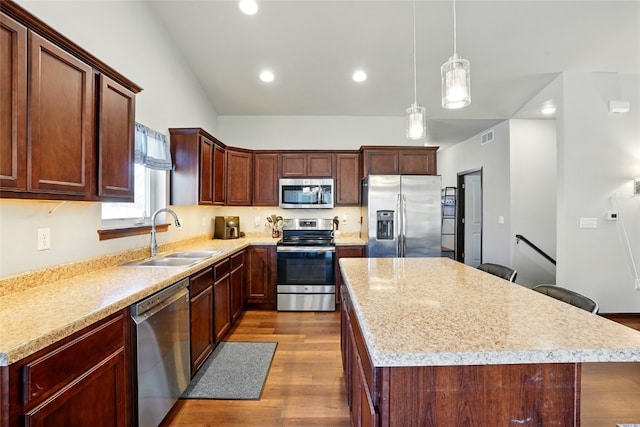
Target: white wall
{"x": 124, "y": 35}
{"x": 493, "y": 158}
{"x": 598, "y": 156}
{"x": 533, "y": 198}
{"x": 312, "y": 132}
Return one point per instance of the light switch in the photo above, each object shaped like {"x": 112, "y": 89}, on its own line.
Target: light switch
{"x": 588, "y": 222}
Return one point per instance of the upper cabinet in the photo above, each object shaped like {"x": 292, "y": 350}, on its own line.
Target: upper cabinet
{"x": 198, "y": 175}
{"x": 239, "y": 177}
{"x": 116, "y": 112}
{"x": 13, "y": 104}
{"x": 398, "y": 160}
{"x": 67, "y": 118}
{"x": 265, "y": 178}
{"x": 348, "y": 178}
{"x": 307, "y": 164}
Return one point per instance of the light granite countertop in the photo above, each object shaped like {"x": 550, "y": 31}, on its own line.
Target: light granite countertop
{"x": 33, "y": 315}
{"x": 439, "y": 312}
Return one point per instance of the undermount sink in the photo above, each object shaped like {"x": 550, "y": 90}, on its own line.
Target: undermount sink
{"x": 192, "y": 254}
{"x": 176, "y": 259}
{"x": 163, "y": 262}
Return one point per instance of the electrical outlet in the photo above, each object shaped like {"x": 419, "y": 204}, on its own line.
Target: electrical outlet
{"x": 44, "y": 239}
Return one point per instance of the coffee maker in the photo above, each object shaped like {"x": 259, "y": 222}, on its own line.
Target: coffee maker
{"x": 226, "y": 227}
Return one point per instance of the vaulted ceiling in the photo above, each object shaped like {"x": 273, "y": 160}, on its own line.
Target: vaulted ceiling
{"x": 313, "y": 46}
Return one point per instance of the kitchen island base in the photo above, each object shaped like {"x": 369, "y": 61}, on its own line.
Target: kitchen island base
{"x": 488, "y": 395}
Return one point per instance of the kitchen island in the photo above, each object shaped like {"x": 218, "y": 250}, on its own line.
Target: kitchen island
{"x": 432, "y": 342}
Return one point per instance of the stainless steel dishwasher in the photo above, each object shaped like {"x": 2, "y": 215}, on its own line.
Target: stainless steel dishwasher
{"x": 162, "y": 351}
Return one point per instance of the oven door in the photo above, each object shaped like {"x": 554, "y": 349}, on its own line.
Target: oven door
{"x": 306, "y": 265}
{"x": 305, "y": 278}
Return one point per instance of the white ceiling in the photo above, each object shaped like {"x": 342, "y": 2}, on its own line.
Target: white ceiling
{"x": 313, "y": 46}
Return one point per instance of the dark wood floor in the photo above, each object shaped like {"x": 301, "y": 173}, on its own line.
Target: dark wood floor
{"x": 305, "y": 386}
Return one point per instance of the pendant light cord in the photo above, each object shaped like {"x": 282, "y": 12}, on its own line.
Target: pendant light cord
{"x": 455, "y": 32}
{"x": 415, "y": 79}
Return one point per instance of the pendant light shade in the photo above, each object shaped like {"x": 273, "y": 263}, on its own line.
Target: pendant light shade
{"x": 416, "y": 122}
{"x": 416, "y": 117}
{"x": 456, "y": 83}
{"x": 456, "y": 76}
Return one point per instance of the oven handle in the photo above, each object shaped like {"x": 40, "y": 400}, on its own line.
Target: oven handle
{"x": 305, "y": 249}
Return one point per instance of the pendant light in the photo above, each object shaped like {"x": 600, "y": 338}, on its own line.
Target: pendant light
{"x": 416, "y": 117}
{"x": 456, "y": 76}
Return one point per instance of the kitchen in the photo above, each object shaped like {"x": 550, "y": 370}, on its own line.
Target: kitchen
{"x": 74, "y": 224}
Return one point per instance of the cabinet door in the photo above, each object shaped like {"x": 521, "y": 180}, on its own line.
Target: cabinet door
{"x": 221, "y": 307}
{"x": 348, "y": 179}
{"x": 294, "y": 165}
{"x": 61, "y": 142}
{"x": 260, "y": 276}
{"x": 219, "y": 175}
{"x": 116, "y": 114}
{"x": 237, "y": 285}
{"x": 265, "y": 179}
{"x": 320, "y": 164}
{"x": 380, "y": 162}
{"x": 239, "y": 178}
{"x": 206, "y": 147}
{"x": 417, "y": 162}
{"x": 13, "y": 104}
{"x": 201, "y": 307}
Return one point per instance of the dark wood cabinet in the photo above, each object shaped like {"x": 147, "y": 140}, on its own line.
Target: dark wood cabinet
{"x": 13, "y": 104}
{"x": 201, "y": 315}
{"x": 239, "y": 177}
{"x": 265, "y": 179}
{"x": 221, "y": 299}
{"x": 307, "y": 164}
{"x": 116, "y": 114}
{"x": 260, "y": 281}
{"x": 354, "y": 251}
{"x": 237, "y": 290}
{"x": 347, "y": 179}
{"x": 60, "y": 108}
{"x": 67, "y": 118}
{"x": 84, "y": 379}
{"x": 398, "y": 160}
{"x": 194, "y": 178}
{"x": 219, "y": 175}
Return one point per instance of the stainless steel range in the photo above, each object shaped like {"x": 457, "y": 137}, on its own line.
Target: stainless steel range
{"x": 306, "y": 257}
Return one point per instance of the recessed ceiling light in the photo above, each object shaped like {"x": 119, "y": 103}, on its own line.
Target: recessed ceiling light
{"x": 248, "y": 7}
{"x": 266, "y": 76}
{"x": 359, "y": 76}
{"x": 548, "y": 109}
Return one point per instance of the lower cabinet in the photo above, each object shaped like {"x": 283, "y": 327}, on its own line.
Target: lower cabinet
{"x": 221, "y": 300}
{"x": 85, "y": 379}
{"x": 261, "y": 277}
{"x": 237, "y": 285}
{"x": 201, "y": 312}
{"x": 355, "y": 251}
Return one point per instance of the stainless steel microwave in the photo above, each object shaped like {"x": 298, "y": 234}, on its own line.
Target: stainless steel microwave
{"x": 306, "y": 193}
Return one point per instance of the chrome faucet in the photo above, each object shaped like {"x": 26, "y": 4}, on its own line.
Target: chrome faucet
{"x": 154, "y": 243}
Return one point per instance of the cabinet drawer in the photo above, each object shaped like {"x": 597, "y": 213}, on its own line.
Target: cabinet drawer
{"x": 221, "y": 269}
{"x": 237, "y": 260}
{"x": 200, "y": 281}
{"x": 47, "y": 374}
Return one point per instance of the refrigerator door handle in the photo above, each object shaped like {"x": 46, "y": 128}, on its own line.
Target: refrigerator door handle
{"x": 399, "y": 228}
{"x": 404, "y": 225}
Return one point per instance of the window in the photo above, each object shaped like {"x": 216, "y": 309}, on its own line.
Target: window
{"x": 152, "y": 162}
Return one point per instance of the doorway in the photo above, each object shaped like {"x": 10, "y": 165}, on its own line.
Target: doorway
{"x": 469, "y": 226}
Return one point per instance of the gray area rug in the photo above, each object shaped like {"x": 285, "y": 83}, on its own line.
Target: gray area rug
{"x": 235, "y": 370}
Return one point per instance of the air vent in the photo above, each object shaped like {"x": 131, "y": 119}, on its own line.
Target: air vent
{"x": 486, "y": 137}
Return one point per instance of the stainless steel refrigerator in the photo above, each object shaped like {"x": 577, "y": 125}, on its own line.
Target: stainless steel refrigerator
{"x": 401, "y": 215}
